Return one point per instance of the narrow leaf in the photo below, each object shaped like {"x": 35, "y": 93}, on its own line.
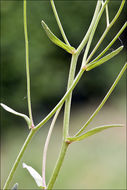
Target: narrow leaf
{"x": 16, "y": 113}
{"x": 34, "y": 174}
{"x": 15, "y": 187}
{"x": 57, "y": 41}
{"x": 103, "y": 60}
{"x": 93, "y": 132}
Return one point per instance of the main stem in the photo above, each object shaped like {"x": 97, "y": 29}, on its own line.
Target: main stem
{"x": 27, "y": 64}
{"x": 65, "y": 124}
{"x": 69, "y": 98}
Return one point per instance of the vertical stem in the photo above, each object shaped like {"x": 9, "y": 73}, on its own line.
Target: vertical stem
{"x": 27, "y": 63}
{"x": 58, "y": 165}
{"x": 68, "y": 100}
{"x": 66, "y": 123}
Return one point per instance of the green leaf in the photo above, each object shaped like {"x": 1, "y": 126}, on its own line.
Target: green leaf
{"x": 15, "y": 187}
{"x": 103, "y": 60}
{"x": 16, "y": 113}
{"x": 57, "y": 41}
{"x": 92, "y": 132}
{"x": 34, "y": 174}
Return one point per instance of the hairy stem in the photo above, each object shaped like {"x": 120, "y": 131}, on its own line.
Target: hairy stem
{"x": 104, "y": 100}
{"x": 27, "y": 63}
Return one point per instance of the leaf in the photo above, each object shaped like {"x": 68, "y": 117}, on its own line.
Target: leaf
{"x": 15, "y": 187}
{"x": 57, "y": 41}
{"x": 34, "y": 174}
{"x": 103, "y": 60}
{"x": 93, "y": 132}
{"x": 16, "y": 113}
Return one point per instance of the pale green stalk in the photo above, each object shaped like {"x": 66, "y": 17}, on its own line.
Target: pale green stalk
{"x": 58, "y": 165}
{"x": 103, "y": 101}
{"x": 46, "y": 147}
{"x": 93, "y": 31}
{"x": 58, "y": 22}
{"x": 65, "y": 123}
{"x": 85, "y": 39}
{"x": 106, "y": 31}
{"x": 68, "y": 100}
{"x": 27, "y": 64}
{"x": 107, "y": 15}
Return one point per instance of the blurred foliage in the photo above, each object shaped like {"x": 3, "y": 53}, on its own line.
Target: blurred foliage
{"x": 49, "y": 65}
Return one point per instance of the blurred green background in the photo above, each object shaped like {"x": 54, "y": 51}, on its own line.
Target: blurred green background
{"x": 98, "y": 162}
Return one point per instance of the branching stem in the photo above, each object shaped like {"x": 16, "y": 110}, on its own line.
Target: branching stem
{"x": 104, "y": 100}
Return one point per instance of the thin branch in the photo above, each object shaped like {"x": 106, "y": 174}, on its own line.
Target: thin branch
{"x": 107, "y": 15}
{"x": 103, "y": 101}
{"x": 58, "y": 22}
{"x": 93, "y": 32}
{"x": 46, "y": 146}
{"x": 111, "y": 43}
{"x": 85, "y": 39}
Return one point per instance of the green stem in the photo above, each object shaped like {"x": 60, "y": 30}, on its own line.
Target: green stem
{"x": 107, "y": 15}
{"x": 106, "y": 30}
{"x": 20, "y": 155}
{"x": 65, "y": 124}
{"x": 58, "y": 165}
{"x": 69, "y": 98}
{"x": 58, "y": 22}
{"x": 27, "y": 63}
{"x": 85, "y": 39}
{"x": 103, "y": 101}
